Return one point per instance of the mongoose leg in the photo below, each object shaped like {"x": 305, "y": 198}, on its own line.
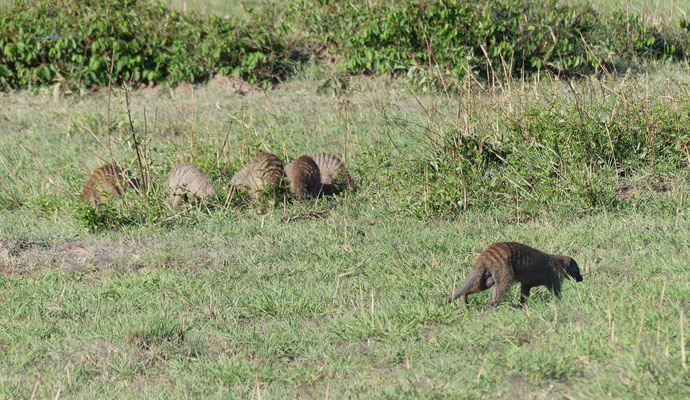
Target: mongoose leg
{"x": 556, "y": 289}
{"x": 524, "y": 293}
{"x": 500, "y": 291}
{"x": 176, "y": 199}
{"x": 472, "y": 285}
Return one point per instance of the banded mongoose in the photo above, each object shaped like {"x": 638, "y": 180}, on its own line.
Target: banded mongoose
{"x": 109, "y": 179}
{"x": 503, "y": 264}
{"x": 264, "y": 172}
{"x": 304, "y": 178}
{"x": 333, "y": 172}
{"x": 186, "y": 179}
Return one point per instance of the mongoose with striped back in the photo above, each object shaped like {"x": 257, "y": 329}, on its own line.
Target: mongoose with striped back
{"x": 187, "y": 180}
{"x": 503, "y": 264}
{"x": 304, "y": 178}
{"x": 264, "y": 172}
{"x": 333, "y": 173}
{"x": 109, "y": 179}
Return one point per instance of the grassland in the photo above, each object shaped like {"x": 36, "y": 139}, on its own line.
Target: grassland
{"x": 338, "y": 297}
{"x": 217, "y": 7}
{"x": 653, "y": 8}
{"x": 333, "y": 298}
{"x": 216, "y": 309}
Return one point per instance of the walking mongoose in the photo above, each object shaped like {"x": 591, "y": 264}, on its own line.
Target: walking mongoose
{"x": 186, "y": 179}
{"x": 109, "y": 179}
{"x": 503, "y": 264}
{"x": 304, "y": 178}
{"x": 264, "y": 172}
{"x": 333, "y": 172}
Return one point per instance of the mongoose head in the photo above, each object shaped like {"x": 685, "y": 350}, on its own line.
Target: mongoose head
{"x": 571, "y": 269}
{"x": 135, "y": 183}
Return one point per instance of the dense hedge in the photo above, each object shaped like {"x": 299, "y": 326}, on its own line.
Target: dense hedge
{"x": 507, "y": 37}
{"x": 75, "y": 39}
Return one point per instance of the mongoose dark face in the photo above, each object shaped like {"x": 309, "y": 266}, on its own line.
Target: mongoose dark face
{"x": 333, "y": 172}
{"x": 572, "y": 269}
{"x": 304, "y": 178}
{"x": 186, "y": 179}
{"x": 503, "y": 264}
{"x": 108, "y": 181}
{"x": 264, "y": 173}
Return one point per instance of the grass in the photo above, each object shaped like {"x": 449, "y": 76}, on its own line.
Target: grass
{"x": 233, "y": 8}
{"x": 657, "y": 10}
{"x": 338, "y": 297}
{"x": 332, "y": 298}
{"x": 674, "y": 8}
{"x": 346, "y": 307}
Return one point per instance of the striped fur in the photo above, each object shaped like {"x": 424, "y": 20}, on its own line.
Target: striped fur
{"x": 186, "y": 179}
{"x": 503, "y": 264}
{"x": 333, "y": 172}
{"x": 108, "y": 181}
{"x": 265, "y": 171}
{"x": 304, "y": 178}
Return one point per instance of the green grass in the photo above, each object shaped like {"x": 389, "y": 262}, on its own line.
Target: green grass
{"x": 649, "y": 8}
{"x": 346, "y": 306}
{"x": 676, "y": 7}
{"x": 654, "y": 9}
{"x": 335, "y": 298}
{"x": 232, "y": 8}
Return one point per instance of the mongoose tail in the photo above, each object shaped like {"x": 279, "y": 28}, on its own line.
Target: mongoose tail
{"x": 478, "y": 280}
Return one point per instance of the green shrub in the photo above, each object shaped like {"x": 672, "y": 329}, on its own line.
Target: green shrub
{"x": 47, "y": 40}
{"x": 104, "y": 217}
{"x": 147, "y": 42}
{"x": 504, "y": 37}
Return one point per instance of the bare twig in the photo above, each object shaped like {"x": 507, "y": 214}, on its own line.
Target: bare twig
{"x": 107, "y": 115}
{"x": 142, "y": 188}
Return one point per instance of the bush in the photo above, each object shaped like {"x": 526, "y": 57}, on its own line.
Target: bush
{"x": 75, "y": 40}
{"x": 504, "y": 37}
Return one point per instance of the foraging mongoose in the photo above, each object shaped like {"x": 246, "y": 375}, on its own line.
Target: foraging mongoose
{"x": 505, "y": 263}
{"x": 109, "y": 178}
{"x": 304, "y": 178}
{"x": 265, "y": 171}
{"x": 333, "y": 172}
{"x": 187, "y": 179}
